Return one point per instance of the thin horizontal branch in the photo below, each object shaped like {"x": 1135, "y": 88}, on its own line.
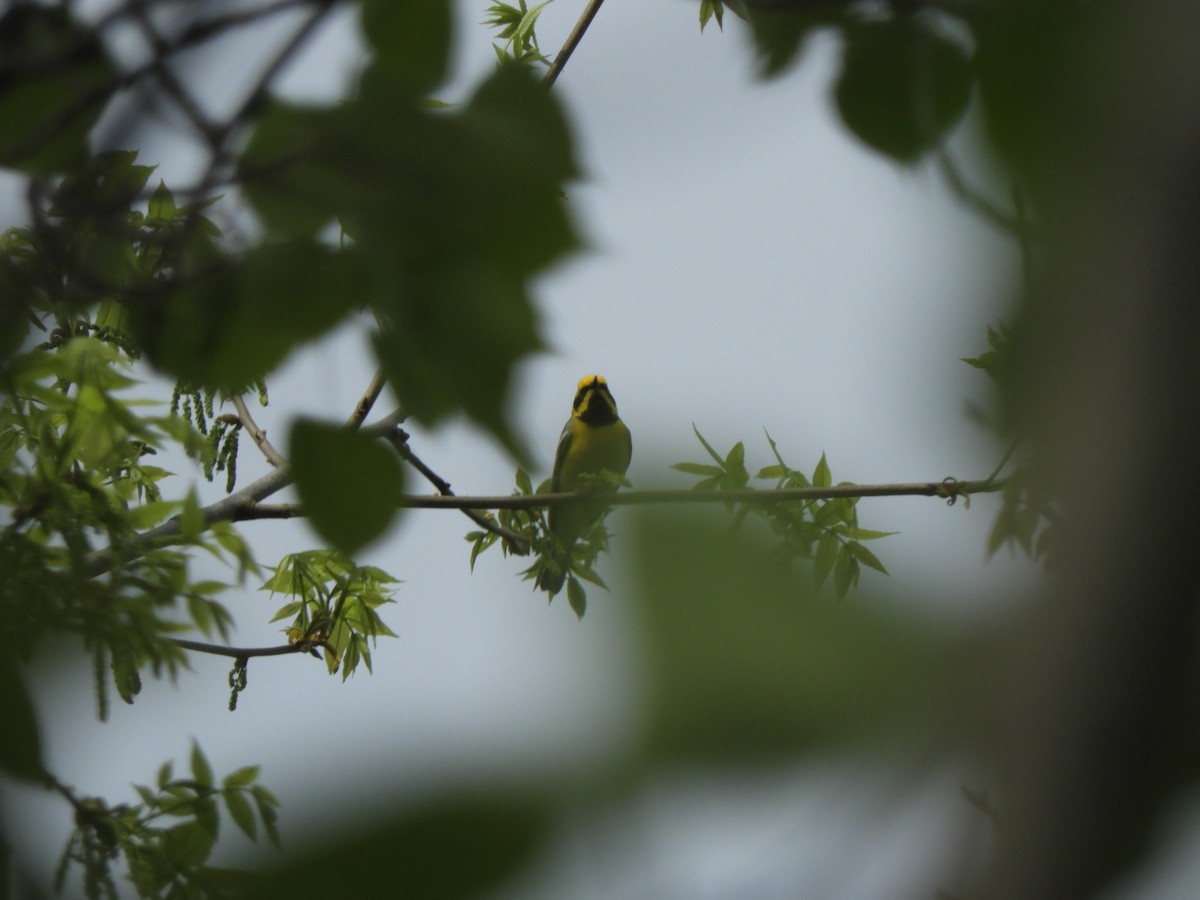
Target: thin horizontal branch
{"x": 949, "y": 489}
{"x": 224, "y": 510}
{"x": 238, "y": 506}
{"x": 241, "y": 652}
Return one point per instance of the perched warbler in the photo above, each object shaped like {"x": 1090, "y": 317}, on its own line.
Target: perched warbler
{"x": 594, "y": 440}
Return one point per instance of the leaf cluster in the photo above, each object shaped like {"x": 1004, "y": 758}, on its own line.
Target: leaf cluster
{"x": 533, "y": 527}
{"x": 824, "y": 531}
{"x": 515, "y": 26}
{"x": 1030, "y": 514}
{"x": 167, "y": 838}
{"x": 77, "y": 476}
{"x": 333, "y": 607}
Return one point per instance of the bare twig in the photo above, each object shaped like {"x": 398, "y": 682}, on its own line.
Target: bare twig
{"x": 274, "y": 457}
{"x": 518, "y": 543}
{"x": 370, "y": 395}
{"x": 245, "y": 652}
{"x": 571, "y": 43}
{"x": 950, "y": 489}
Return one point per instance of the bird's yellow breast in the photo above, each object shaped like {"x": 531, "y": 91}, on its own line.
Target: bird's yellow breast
{"x": 593, "y": 449}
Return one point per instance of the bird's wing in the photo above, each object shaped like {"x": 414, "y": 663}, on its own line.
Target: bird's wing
{"x": 560, "y": 455}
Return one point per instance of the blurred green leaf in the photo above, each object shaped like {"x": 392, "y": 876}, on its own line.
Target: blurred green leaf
{"x": 233, "y": 325}
{"x": 745, "y": 660}
{"x": 188, "y": 844}
{"x": 55, "y": 79}
{"x": 201, "y": 770}
{"x": 411, "y": 41}
{"x": 241, "y": 812}
{"x": 902, "y": 85}
{"x": 781, "y": 31}
{"x": 349, "y": 483}
{"x": 458, "y": 848}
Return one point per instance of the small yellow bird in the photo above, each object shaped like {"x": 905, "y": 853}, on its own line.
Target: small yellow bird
{"x": 594, "y": 440}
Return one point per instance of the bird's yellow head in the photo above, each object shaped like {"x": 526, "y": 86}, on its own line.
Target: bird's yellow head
{"x": 594, "y": 402}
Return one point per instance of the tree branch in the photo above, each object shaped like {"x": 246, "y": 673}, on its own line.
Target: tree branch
{"x": 949, "y": 489}
{"x": 370, "y": 395}
{"x": 571, "y": 43}
{"x": 517, "y": 542}
{"x": 244, "y": 652}
{"x": 274, "y": 457}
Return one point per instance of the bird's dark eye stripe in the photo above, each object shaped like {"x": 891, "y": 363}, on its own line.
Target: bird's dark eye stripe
{"x": 594, "y": 385}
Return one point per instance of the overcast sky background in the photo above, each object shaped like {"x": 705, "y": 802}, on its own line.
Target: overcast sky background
{"x": 750, "y": 266}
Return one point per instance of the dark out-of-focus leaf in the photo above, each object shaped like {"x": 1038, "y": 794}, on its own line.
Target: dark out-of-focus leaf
{"x": 780, "y": 31}
{"x": 297, "y": 170}
{"x": 349, "y": 483}
{"x": 455, "y": 849}
{"x": 474, "y": 210}
{"x": 20, "y": 748}
{"x": 452, "y": 211}
{"x": 902, "y": 86}
{"x": 411, "y": 41}
{"x": 234, "y": 324}
{"x": 1020, "y": 61}
{"x": 54, "y": 81}
{"x": 745, "y": 660}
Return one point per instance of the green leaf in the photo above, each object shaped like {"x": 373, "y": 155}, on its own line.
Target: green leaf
{"x": 56, "y": 80}
{"x": 708, "y": 447}
{"x": 126, "y": 677}
{"x": 696, "y": 469}
{"x": 866, "y": 557}
{"x": 902, "y": 85}
{"x": 456, "y": 251}
{"x": 241, "y": 812}
{"x": 788, "y": 674}
{"x": 201, "y": 770}
{"x": 188, "y": 844}
{"x": 576, "y": 597}
{"x": 821, "y": 475}
{"x": 710, "y": 8}
{"x": 782, "y": 30}
{"x": 191, "y": 518}
{"x": 295, "y": 171}
{"x": 411, "y": 41}
{"x": 845, "y": 571}
{"x": 827, "y": 554}
{"x": 236, "y": 323}
{"x": 349, "y": 483}
{"x": 266, "y": 803}
{"x": 243, "y": 777}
